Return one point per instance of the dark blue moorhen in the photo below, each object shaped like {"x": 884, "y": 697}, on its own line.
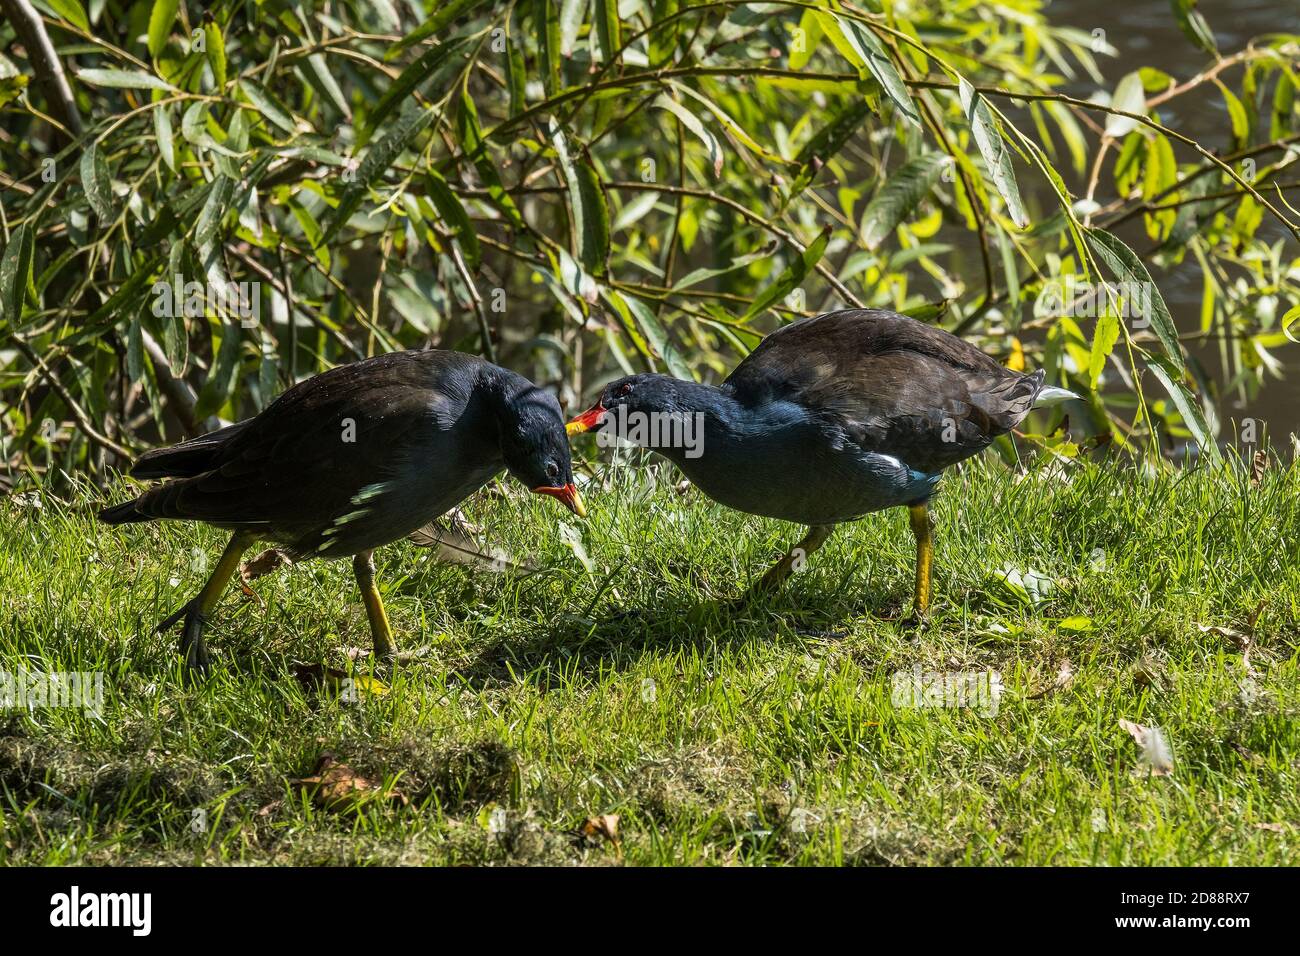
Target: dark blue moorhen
{"x": 353, "y": 459}
{"x": 831, "y": 418}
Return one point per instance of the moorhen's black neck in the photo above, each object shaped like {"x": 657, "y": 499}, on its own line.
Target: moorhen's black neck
{"x": 721, "y": 408}
{"x": 678, "y": 395}
{"x": 502, "y": 392}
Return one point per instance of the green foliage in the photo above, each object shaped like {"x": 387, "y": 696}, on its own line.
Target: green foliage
{"x": 590, "y": 188}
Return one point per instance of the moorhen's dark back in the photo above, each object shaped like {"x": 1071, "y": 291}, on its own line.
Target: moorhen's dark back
{"x": 894, "y": 385}
{"x": 292, "y": 470}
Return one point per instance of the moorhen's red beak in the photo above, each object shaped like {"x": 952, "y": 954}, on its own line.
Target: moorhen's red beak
{"x": 586, "y": 421}
{"x": 568, "y": 494}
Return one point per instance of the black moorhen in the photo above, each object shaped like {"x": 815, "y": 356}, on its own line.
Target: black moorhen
{"x": 352, "y": 459}
{"x": 829, "y": 419}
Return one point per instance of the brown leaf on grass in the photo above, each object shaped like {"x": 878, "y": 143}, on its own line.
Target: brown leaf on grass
{"x": 263, "y": 564}
{"x": 1155, "y": 751}
{"x": 602, "y": 827}
{"x": 1253, "y": 618}
{"x": 336, "y": 786}
{"x": 1063, "y": 679}
{"x": 1241, "y": 640}
{"x": 1258, "y": 465}
{"x": 1238, "y": 639}
{"x": 1146, "y": 671}
{"x": 1271, "y": 827}
{"x": 1247, "y": 754}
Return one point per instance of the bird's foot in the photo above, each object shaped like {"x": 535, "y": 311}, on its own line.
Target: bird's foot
{"x": 192, "y": 647}
{"x": 397, "y": 657}
{"x": 911, "y": 617}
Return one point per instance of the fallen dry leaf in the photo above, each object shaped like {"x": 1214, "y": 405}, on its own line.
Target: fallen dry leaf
{"x": 1146, "y": 671}
{"x": 1271, "y": 827}
{"x": 1258, "y": 465}
{"x": 603, "y": 827}
{"x": 453, "y": 540}
{"x": 1238, "y": 639}
{"x": 336, "y": 786}
{"x": 1063, "y": 679}
{"x": 1155, "y": 751}
{"x": 1253, "y": 619}
{"x": 1241, "y": 640}
{"x": 263, "y": 564}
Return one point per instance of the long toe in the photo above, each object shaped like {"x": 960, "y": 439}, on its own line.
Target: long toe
{"x": 193, "y": 647}
{"x": 167, "y": 623}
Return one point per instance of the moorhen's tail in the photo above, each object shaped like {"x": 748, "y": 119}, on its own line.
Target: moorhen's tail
{"x": 124, "y": 513}
{"x": 172, "y": 499}
{"x": 189, "y": 458}
{"x": 1011, "y": 396}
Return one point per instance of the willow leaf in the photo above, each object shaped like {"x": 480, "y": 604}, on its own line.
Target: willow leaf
{"x": 124, "y": 80}
{"x": 901, "y": 194}
{"x": 692, "y": 123}
{"x": 429, "y": 63}
{"x": 95, "y": 181}
{"x": 455, "y": 218}
{"x": 865, "y": 51}
{"x": 161, "y": 20}
{"x": 1128, "y": 269}
{"x": 988, "y": 138}
{"x": 16, "y": 271}
{"x": 444, "y": 15}
{"x": 790, "y": 277}
{"x": 268, "y": 106}
{"x": 1172, "y": 380}
{"x": 378, "y": 158}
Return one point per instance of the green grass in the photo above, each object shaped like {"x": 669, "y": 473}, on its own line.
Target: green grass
{"x": 719, "y": 735}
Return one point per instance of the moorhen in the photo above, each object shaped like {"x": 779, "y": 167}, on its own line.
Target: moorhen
{"x": 352, "y": 459}
{"x": 829, "y": 419}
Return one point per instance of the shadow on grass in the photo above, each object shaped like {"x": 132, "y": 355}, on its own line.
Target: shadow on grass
{"x": 576, "y": 645}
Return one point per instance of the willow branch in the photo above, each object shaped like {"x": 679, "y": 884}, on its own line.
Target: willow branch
{"x": 45, "y": 62}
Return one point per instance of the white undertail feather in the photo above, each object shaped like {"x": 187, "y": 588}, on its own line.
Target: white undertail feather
{"x": 1050, "y": 395}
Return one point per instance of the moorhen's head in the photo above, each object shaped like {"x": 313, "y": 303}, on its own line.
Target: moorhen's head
{"x": 648, "y": 392}
{"x": 536, "y": 449}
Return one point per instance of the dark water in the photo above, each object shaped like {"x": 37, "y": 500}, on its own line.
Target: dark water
{"x": 1146, "y": 34}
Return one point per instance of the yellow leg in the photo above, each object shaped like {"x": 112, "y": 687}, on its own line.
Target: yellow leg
{"x": 192, "y": 646}
{"x": 920, "y": 521}
{"x": 225, "y": 570}
{"x": 381, "y": 632}
{"x": 814, "y": 539}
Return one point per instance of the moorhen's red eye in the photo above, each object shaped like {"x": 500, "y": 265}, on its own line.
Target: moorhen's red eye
{"x": 624, "y": 389}
{"x": 552, "y": 470}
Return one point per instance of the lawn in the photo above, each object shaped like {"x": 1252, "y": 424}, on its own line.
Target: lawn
{"x": 634, "y": 684}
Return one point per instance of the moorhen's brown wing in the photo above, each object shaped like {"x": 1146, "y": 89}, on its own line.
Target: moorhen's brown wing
{"x": 895, "y": 385}
{"x": 300, "y": 464}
